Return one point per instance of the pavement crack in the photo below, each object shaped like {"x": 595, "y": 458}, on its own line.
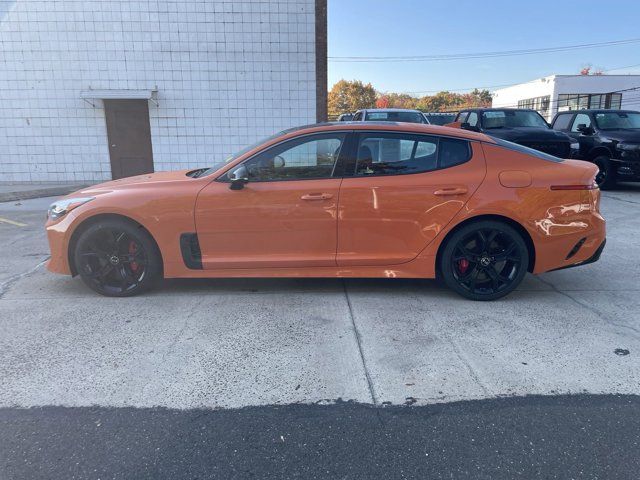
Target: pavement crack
{"x": 7, "y": 284}
{"x": 470, "y": 368}
{"x": 592, "y": 309}
{"x": 358, "y": 338}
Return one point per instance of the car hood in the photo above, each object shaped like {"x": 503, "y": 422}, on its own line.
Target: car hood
{"x": 632, "y": 136}
{"x": 528, "y": 134}
{"x": 138, "y": 181}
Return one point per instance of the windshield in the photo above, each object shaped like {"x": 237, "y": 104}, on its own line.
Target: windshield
{"x": 618, "y": 120}
{"x": 441, "y": 119}
{"x": 512, "y": 119}
{"x": 410, "y": 117}
{"x": 237, "y": 155}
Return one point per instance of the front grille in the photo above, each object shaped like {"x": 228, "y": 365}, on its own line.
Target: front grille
{"x": 557, "y": 149}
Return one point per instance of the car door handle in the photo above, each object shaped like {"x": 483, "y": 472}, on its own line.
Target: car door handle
{"x": 316, "y": 196}
{"x": 450, "y": 191}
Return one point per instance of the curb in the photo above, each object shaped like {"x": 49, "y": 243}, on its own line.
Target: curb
{"x": 38, "y": 193}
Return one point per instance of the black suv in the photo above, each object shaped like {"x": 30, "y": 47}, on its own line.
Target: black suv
{"x": 608, "y": 138}
{"x": 518, "y": 125}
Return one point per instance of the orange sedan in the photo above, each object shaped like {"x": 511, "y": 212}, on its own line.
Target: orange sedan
{"x": 339, "y": 200}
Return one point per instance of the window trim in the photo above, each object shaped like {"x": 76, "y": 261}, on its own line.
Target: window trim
{"x": 223, "y": 178}
{"x": 358, "y": 134}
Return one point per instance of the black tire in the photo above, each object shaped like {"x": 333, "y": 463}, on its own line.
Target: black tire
{"x": 606, "y": 177}
{"x": 484, "y": 260}
{"x": 117, "y": 258}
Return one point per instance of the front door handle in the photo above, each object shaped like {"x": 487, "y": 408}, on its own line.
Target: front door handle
{"x": 450, "y": 191}
{"x": 316, "y": 196}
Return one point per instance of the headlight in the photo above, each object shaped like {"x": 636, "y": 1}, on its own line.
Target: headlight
{"x": 575, "y": 146}
{"x": 628, "y": 146}
{"x": 64, "y": 206}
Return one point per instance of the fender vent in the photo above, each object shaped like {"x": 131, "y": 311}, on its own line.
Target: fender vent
{"x": 190, "y": 248}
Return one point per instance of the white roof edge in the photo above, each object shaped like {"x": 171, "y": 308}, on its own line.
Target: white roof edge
{"x": 118, "y": 94}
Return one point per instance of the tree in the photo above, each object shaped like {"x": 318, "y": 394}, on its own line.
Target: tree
{"x": 349, "y": 96}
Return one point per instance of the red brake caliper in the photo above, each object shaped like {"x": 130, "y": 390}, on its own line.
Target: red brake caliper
{"x": 463, "y": 265}
{"x": 132, "y": 249}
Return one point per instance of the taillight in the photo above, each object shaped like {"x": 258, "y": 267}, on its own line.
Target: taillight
{"x": 593, "y": 186}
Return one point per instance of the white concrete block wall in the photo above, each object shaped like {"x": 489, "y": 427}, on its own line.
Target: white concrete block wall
{"x": 227, "y": 73}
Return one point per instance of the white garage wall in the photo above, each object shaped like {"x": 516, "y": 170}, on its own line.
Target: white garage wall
{"x": 227, "y": 73}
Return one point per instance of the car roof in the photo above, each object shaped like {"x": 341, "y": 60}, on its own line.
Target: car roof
{"x": 389, "y": 110}
{"x": 418, "y": 128}
{"x": 597, "y": 110}
{"x": 497, "y": 109}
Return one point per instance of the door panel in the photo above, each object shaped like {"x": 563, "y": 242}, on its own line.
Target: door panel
{"x": 268, "y": 224}
{"x": 129, "y": 136}
{"x": 386, "y": 220}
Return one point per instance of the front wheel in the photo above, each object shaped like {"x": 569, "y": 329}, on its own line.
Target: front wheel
{"x": 117, "y": 259}
{"x": 606, "y": 176}
{"x": 484, "y": 260}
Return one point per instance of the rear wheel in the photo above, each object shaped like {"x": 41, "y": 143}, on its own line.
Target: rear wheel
{"x": 484, "y": 260}
{"x": 606, "y": 176}
{"x": 117, "y": 259}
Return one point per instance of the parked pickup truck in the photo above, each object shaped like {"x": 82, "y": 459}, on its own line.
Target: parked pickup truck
{"x": 518, "y": 125}
{"x": 608, "y": 138}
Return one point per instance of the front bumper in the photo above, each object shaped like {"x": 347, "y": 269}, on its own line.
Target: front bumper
{"x": 627, "y": 169}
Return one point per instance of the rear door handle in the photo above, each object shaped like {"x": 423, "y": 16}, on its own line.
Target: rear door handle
{"x": 316, "y": 196}
{"x": 450, "y": 191}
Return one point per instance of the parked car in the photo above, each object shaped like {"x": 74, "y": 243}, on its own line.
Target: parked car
{"x": 389, "y": 115}
{"x": 608, "y": 138}
{"x": 345, "y": 117}
{"x": 522, "y": 126}
{"x": 384, "y": 200}
{"x": 439, "y": 118}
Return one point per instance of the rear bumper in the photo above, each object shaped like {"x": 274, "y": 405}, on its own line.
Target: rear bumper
{"x": 594, "y": 258}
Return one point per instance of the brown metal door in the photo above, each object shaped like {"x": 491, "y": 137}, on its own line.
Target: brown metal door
{"x": 129, "y": 137}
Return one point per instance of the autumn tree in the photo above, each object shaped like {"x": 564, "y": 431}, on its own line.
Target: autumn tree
{"x": 349, "y": 96}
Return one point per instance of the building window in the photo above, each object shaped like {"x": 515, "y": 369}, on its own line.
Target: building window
{"x": 575, "y": 101}
{"x": 540, "y": 104}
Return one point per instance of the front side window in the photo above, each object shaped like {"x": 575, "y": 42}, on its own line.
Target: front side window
{"x": 299, "y": 159}
{"x": 462, "y": 117}
{"x": 473, "y": 119}
{"x": 397, "y": 154}
{"x": 581, "y": 119}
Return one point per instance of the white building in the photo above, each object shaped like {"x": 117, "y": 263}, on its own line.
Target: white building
{"x": 555, "y": 93}
{"x": 95, "y": 89}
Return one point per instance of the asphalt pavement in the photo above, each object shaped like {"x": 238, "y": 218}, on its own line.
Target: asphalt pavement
{"x": 360, "y": 378}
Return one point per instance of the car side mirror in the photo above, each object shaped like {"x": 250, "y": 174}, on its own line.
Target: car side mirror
{"x": 468, "y": 126}
{"x": 582, "y": 128}
{"x": 238, "y": 178}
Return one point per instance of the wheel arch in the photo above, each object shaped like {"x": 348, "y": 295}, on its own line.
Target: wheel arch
{"x": 87, "y": 222}
{"x": 531, "y": 249}
{"x": 598, "y": 151}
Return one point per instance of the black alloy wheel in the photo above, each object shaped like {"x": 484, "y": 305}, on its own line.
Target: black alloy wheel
{"x": 116, "y": 258}
{"x": 606, "y": 176}
{"x": 485, "y": 260}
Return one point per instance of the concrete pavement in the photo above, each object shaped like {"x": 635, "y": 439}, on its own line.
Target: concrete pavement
{"x": 282, "y": 356}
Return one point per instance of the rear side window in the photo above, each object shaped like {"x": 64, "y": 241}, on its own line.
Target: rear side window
{"x": 562, "y": 122}
{"x": 399, "y": 154}
{"x": 529, "y": 151}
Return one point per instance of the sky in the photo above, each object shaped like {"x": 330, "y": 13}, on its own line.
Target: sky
{"x": 365, "y": 28}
